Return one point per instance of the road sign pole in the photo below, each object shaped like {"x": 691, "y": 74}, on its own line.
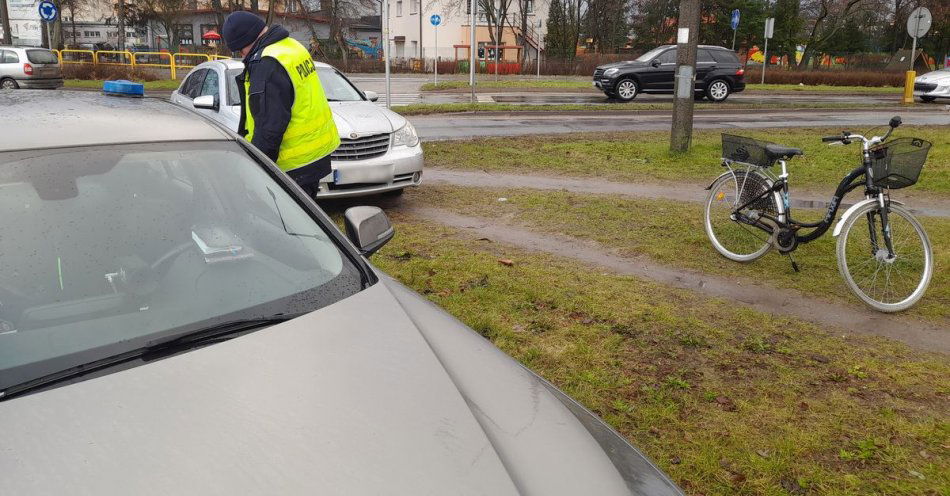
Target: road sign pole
{"x": 436, "y": 35}
{"x": 734, "y": 40}
{"x": 471, "y": 58}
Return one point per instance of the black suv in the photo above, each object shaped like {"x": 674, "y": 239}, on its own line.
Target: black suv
{"x": 718, "y": 73}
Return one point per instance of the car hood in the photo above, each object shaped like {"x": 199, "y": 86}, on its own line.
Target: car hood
{"x": 627, "y": 63}
{"x": 398, "y": 400}
{"x": 353, "y": 119}
{"x": 939, "y": 77}
{"x": 364, "y": 118}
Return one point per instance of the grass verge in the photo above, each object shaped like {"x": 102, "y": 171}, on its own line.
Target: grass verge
{"x": 645, "y": 155}
{"x": 672, "y": 233}
{"x": 726, "y": 400}
{"x": 825, "y": 88}
{"x": 161, "y": 84}
{"x": 449, "y": 108}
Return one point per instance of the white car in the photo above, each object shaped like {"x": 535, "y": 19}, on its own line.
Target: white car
{"x": 379, "y": 149}
{"x": 933, "y": 85}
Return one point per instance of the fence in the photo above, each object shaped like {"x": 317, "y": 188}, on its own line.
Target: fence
{"x": 160, "y": 60}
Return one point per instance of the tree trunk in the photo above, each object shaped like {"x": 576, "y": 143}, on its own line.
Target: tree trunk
{"x": 271, "y": 10}
{"x": 5, "y": 19}
{"x": 255, "y": 7}
{"x": 120, "y": 23}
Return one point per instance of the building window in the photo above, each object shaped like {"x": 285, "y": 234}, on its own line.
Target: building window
{"x": 529, "y": 6}
{"x": 413, "y": 7}
{"x": 399, "y": 8}
{"x": 191, "y": 4}
{"x": 186, "y": 34}
{"x": 292, "y": 6}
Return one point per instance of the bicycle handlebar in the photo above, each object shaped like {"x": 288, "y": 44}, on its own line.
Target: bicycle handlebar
{"x": 827, "y": 139}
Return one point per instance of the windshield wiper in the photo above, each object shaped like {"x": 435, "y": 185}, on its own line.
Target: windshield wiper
{"x": 208, "y": 335}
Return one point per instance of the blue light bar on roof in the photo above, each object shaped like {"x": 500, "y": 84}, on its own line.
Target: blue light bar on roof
{"x": 123, "y": 87}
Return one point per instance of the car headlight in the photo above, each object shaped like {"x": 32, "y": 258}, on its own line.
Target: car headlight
{"x": 611, "y": 71}
{"x": 406, "y": 136}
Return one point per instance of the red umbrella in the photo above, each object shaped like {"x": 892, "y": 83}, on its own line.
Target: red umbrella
{"x": 211, "y": 35}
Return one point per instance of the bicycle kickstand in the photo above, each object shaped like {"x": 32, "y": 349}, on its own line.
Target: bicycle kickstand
{"x": 794, "y": 264}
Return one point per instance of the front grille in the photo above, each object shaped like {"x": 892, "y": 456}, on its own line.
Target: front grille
{"x": 598, "y": 73}
{"x": 925, "y": 87}
{"x": 362, "y": 148}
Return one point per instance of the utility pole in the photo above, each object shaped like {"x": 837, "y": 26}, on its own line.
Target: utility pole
{"x": 687, "y": 37}
{"x": 5, "y": 19}
{"x": 120, "y": 23}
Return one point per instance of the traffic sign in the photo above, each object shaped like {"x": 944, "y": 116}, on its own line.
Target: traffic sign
{"x": 436, "y": 19}
{"x": 735, "y": 19}
{"x": 769, "y": 27}
{"x": 919, "y": 22}
{"x": 48, "y": 11}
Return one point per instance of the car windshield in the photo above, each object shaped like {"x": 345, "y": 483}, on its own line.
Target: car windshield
{"x": 650, "y": 55}
{"x": 234, "y": 95}
{"x": 41, "y": 57}
{"x": 336, "y": 87}
{"x": 106, "y": 249}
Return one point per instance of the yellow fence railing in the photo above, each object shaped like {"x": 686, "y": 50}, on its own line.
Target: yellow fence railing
{"x": 162, "y": 60}
{"x": 154, "y": 59}
{"x": 115, "y": 57}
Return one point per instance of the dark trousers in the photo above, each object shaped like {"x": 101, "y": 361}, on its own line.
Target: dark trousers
{"x": 308, "y": 177}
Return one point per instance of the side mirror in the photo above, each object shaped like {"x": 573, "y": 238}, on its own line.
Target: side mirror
{"x": 371, "y": 95}
{"x": 368, "y": 228}
{"x": 895, "y": 121}
{"x": 655, "y": 63}
{"x": 206, "y": 102}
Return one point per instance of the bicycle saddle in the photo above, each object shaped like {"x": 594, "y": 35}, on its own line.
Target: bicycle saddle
{"x": 776, "y": 152}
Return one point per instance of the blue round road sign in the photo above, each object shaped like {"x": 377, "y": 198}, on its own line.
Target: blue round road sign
{"x": 436, "y": 19}
{"x": 735, "y": 19}
{"x": 48, "y": 11}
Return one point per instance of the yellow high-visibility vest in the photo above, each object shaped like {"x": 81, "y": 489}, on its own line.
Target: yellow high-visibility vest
{"x": 311, "y": 133}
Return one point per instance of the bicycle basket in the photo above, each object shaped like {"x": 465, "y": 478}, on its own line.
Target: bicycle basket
{"x": 745, "y": 150}
{"x": 897, "y": 163}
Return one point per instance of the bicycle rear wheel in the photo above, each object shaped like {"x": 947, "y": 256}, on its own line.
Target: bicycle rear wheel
{"x": 883, "y": 283}
{"x": 733, "y": 239}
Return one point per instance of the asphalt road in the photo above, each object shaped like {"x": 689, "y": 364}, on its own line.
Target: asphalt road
{"x": 462, "y": 126}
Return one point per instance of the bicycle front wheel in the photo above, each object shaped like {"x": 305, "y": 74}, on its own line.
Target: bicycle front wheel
{"x": 885, "y": 283}
{"x": 733, "y": 239}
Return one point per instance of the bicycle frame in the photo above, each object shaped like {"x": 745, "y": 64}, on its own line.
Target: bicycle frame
{"x": 860, "y": 176}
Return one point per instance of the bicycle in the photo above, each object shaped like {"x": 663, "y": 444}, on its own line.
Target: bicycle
{"x": 884, "y": 254}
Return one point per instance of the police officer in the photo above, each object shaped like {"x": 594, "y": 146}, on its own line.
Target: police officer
{"x": 284, "y": 111}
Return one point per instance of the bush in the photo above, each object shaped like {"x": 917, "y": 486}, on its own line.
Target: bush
{"x": 103, "y": 72}
{"x": 831, "y": 78}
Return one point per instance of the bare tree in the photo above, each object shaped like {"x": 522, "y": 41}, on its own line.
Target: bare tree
{"x": 826, "y": 18}
{"x": 166, "y": 13}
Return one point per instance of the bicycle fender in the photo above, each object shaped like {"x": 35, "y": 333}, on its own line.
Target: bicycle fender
{"x": 707, "y": 188}
{"x": 854, "y": 208}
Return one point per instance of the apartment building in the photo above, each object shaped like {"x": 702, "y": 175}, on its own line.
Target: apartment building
{"x": 413, "y": 36}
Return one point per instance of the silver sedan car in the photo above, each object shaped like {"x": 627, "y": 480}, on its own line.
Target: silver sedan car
{"x": 177, "y": 317}
{"x": 28, "y": 67}
{"x": 379, "y": 149}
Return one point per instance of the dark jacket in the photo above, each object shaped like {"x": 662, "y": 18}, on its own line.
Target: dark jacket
{"x": 271, "y": 95}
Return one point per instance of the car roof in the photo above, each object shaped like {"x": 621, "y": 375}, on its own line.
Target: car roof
{"x": 239, "y": 64}
{"x": 60, "y": 118}
{"x": 713, "y": 47}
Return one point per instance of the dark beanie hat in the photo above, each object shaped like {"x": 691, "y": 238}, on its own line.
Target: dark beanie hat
{"x": 241, "y": 29}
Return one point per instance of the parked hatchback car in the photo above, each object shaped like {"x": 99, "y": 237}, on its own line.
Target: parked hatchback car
{"x": 25, "y": 67}
{"x": 718, "y": 74}
{"x": 379, "y": 149}
{"x": 179, "y": 318}
{"x": 933, "y": 85}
